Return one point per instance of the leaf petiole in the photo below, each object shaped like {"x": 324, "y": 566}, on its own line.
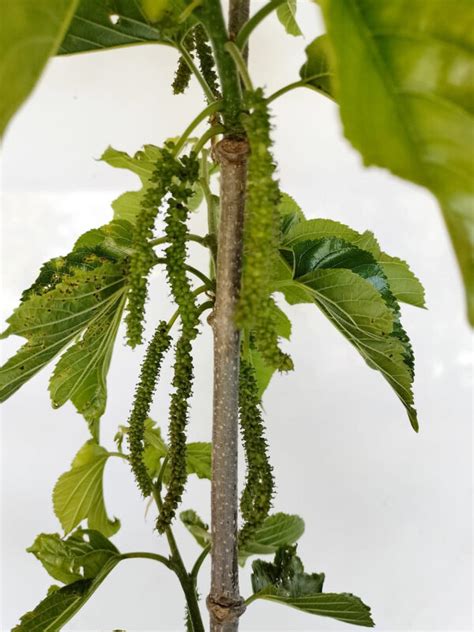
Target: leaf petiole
{"x": 211, "y": 109}
{"x": 194, "y": 69}
{"x": 254, "y": 21}
{"x": 303, "y": 83}
{"x": 215, "y": 130}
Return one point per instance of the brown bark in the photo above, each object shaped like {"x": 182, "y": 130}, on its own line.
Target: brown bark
{"x": 224, "y": 602}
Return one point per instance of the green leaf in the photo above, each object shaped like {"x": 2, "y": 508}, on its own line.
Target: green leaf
{"x": 73, "y": 558}
{"x": 290, "y": 212}
{"x": 285, "y": 582}
{"x": 351, "y": 289}
{"x": 404, "y": 84}
{"x": 198, "y": 459}
{"x": 101, "y": 25}
{"x": 286, "y": 575}
{"x": 81, "y": 373}
{"x": 341, "y": 606}
{"x": 317, "y": 71}
{"x": 403, "y": 283}
{"x": 263, "y": 371}
{"x": 277, "y": 530}
{"x": 78, "y": 495}
{"x": 82, "y": 293}
{"x": 198, "y": 454}
{"x": 56, "y": 557}
{"x": 30, "y": 32}
{"x": 60, "y": 605}
{"x": 286, "y": 13}
{"x": 143, "y": 164}
{"x": 82, "y": 561}
{"x": 196, "y": 527}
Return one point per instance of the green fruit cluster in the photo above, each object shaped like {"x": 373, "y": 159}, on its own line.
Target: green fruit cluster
{"x": 145, "y": 389}
{"x": 261, "y": 234}
{"x": 196, "y": 40}
{"x": 265, "y": 339}
{"x": 142, "y": 257}
{"x": 256, "y": 499}
{"x": 183, "y": 71}
{"x": 187, "y": 173}
{"x": 206, "y": 60}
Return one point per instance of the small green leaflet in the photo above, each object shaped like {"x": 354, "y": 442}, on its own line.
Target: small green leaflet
{"x": 82, "y": 293}
{"x": 198, "y": 454}
{"x": 317, "y": 71}
{"x": 102, "y": 25}
{"x": 263, "y": 371}
{"x": 286, "y": 13}
{"x": 90, "y": 559}
{"x": 143, "y": 164}
{"x": 30, "y": 33}
{"x": 351, "y": 288}
{"x": 285, "y": 582}
{"x": 290, "y": 213}
{"x": 277, "y": 530}
{"x": 404, "y": 85}
{"x": 196, "y": 527}
{"x": 79, "y": 495}
{"x": 198, "y": 459}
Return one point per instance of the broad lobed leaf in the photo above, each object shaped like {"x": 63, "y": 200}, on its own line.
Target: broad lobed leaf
{"x": 79, "y": 495}
{"x": 404, "y": 84}
{"x": 76, "y": 299}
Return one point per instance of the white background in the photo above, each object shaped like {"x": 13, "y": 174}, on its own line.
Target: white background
{"x": 388, "y": 512}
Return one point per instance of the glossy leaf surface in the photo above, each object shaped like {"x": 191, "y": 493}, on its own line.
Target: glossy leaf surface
{"x": 352, "y": 289}
{"x": 101, "y": 25}
{"x": 30, "y": 32}
{"x": 405, "y": 286}
{"x": 404, "y": 83}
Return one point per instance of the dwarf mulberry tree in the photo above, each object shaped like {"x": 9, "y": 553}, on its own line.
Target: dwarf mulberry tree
{"x": 401, "y": 74}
